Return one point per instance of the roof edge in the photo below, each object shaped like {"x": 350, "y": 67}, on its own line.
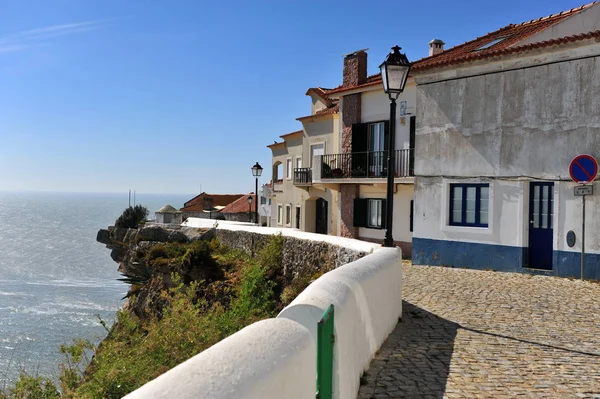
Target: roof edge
{"x": 510, "y": 50}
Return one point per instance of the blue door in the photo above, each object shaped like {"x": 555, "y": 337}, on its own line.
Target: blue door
{"x": 540, "y": 225}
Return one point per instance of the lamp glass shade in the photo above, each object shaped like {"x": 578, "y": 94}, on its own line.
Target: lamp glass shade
{"x": 257, "y": 170}
{"x": 250, "y": 199}
{"x": 394, "y": 72}
{"x": 394, "y": 77}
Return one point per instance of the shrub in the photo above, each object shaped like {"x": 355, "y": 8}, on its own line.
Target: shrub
{"x": 28, "y": 387}
{"x": 271, "y": 255}
{"x": 132, "y": 217}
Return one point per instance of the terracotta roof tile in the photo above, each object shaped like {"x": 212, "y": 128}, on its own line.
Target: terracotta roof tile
{"x": 372, "y": 80}
{"x": 512, "y": 35}
{"x": 507, "y": 37}
{"x": 196, "y": 203}
{"x": 517, "y": 49}
{"x": 276, "y": 144}
{"x": 240, "y": 205}
{"x": 326, "y": 111}
{"x": 287, "y": 135}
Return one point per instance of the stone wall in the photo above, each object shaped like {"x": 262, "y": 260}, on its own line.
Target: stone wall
{"x": 300, "y": 257}
{"x": 348, "y": 192}
{"x": 247, "y": 217}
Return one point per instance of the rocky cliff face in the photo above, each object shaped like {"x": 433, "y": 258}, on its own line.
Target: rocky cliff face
{"x": 124, "y": 242}
{"x": 135, "y": 249}
{"x": 130, "y": 247}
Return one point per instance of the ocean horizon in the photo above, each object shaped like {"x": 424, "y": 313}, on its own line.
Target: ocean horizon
{"x": 55, "y": 279}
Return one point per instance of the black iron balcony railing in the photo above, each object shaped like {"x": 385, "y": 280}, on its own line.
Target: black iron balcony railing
{"x": 302, "y": 176}
{"x": 366, "y": 165}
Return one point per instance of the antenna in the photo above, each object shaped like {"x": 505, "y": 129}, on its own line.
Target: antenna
{"x": 133, "y": 197}
{"x": 130, "y": 198}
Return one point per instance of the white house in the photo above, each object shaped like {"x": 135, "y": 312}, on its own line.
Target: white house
{"x": 167, "y": 215}
{"x": 500, "y": 119}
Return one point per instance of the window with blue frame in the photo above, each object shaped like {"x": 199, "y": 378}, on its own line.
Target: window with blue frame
{"x": 469, "y": 205}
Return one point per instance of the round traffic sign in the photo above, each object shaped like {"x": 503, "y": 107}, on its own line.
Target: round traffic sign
{"x": 583, "y": 168}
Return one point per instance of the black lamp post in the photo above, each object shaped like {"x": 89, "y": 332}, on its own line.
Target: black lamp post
{"x": 256, "y": 172}
{"x": 394, "y": 73}
{"x": 250, "y": 208}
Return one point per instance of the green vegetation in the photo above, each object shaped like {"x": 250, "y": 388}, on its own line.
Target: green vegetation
{"x": 206, "y": 292}
{"x": 132, "y": 217}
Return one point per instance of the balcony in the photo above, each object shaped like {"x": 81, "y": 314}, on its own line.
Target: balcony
{"x": 278, "y": 186}
{"x": 302, "y": 177}
{"x": 366, "y": 165}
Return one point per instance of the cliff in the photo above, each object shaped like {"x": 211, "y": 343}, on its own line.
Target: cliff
{"x": 148, "y": 266}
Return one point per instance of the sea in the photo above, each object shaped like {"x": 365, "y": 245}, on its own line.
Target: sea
{"x": 56, "y": 281}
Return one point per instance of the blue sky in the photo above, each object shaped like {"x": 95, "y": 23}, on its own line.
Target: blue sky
{"x": 182, "y": 96}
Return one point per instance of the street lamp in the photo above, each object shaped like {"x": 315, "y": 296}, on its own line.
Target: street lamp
{"x": 256, "y": 172}
{"x": 250, "y": 208}
{"x": 394, "y": 73}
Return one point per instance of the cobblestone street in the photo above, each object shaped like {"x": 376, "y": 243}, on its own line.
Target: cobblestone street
{"x": 483, "y": 334}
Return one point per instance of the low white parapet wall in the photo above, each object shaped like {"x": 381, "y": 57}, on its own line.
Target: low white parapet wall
{"x": 272, "y": 358}
{"x": 276, "y": 358}
{"x": 349, "y": 243}
{"x": 367, "y": 298}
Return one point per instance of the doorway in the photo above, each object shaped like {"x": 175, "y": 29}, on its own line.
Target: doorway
{"x": 298, "y": 217}
{"x": 540, "y": 225}
{"x": 316, "y": 149}
{"x": 321, "y": 216}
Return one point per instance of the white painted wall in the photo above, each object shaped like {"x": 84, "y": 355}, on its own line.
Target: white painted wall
{"x": 401, "y": 230}
{"x": 367, "y": 298}
{"x": 276, "y": 358}
{"x": 508, "y": 212}
{"x": 375, "y": 106}
{"x": 167, "y": 218}
{"x": 357, "y": 245}
{"x": 509, "y": 126}
{"x": 569, "y": 210}
{"x": 255, "y": 363}
{"x": 583, "y": 22}
{"x": 506, "y": 124}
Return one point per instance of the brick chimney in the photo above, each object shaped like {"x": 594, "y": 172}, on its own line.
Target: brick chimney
{"x": 436, "y": 46}
{"x": 355, "y": 68}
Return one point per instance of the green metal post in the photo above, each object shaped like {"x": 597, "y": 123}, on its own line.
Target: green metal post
{"x": 325, "y": 342}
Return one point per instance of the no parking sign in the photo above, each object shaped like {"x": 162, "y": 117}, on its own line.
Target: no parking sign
{"x": 583, "y": 168}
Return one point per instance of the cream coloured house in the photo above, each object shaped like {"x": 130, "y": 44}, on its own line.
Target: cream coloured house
{"x": 296, "y": 202}
{"x": 341, "y": 180}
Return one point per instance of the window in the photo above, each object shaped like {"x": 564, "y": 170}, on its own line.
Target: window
{"x": 278, "y": 172}
{"x": 492, "y": 43}
{"x": 298, "y": 162}
{"x": 288, "y": 165}
{"x": 469, "y": 204}
{"x": 263, "y": 200}
{"x": 279, "y": 214}
{"x": 369, "y": 212}
{"x": 288, "y": 214}
{"x": 375, "y": 214}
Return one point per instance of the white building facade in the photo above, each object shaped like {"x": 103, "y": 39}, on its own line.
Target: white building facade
{"x": 495, "y": 138}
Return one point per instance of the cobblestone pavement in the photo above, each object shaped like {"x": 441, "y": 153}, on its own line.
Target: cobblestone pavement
{"x": 483, "y": 334}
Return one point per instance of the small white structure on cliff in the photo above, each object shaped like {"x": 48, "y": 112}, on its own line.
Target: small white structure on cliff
{"x": 167, "y": 215}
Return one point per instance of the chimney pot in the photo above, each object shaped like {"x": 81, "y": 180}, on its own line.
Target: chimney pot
{"x": 436, "y": 46}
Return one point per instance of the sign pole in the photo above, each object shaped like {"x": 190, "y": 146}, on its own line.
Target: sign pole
{"x": 583, "y": 169}
{"x": 583, "y": 236}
